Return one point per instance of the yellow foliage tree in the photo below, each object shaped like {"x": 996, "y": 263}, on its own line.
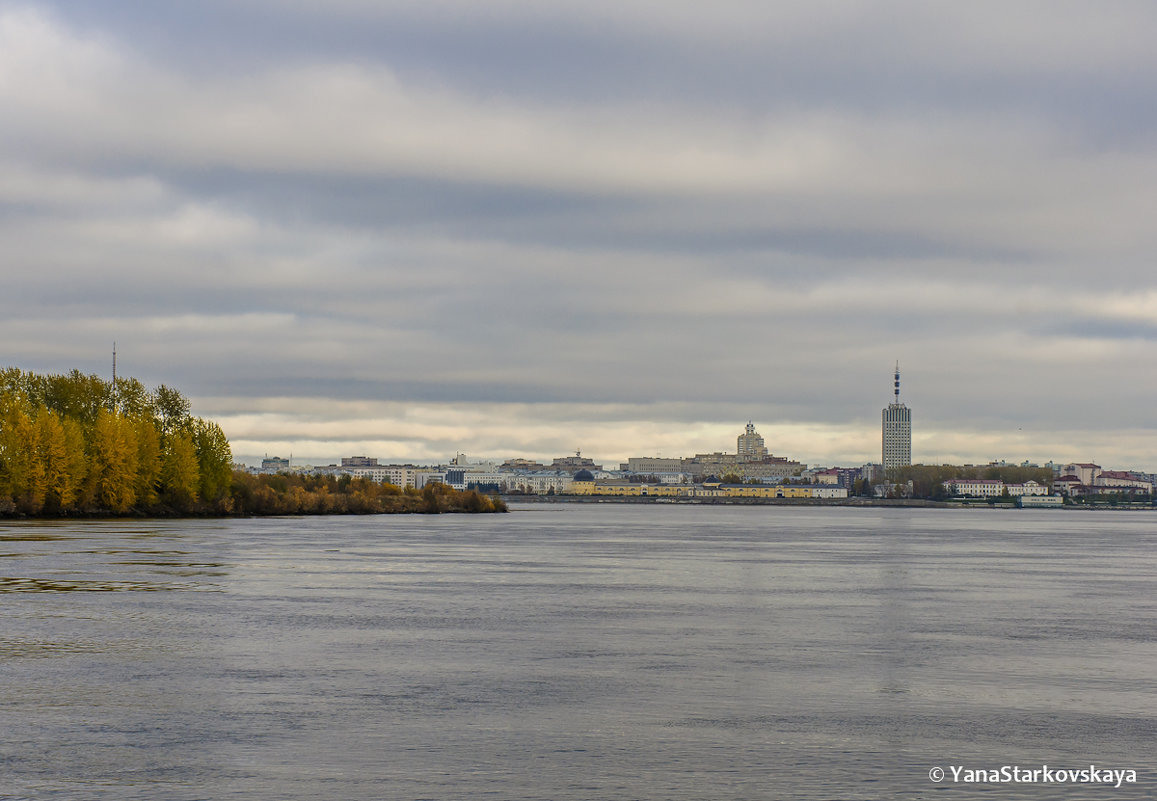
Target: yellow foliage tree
{"x": 214, "y": 460}
{"x": 180, "y": 474}
{"x": 75, "y": 442}
{"x": 61, "y": 454}
{"x": 21, "y": 475}
{"x": 148, "y": 461}
{"x": 114, "y": 461}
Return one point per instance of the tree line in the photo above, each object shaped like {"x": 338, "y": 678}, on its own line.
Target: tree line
{"x": 287, "y": 494}
{"x": 76, "y": 444}
{"x": 928, "y": 480}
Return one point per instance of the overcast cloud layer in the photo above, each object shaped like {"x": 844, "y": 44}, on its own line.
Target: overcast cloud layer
{"x": 409, "y": 229}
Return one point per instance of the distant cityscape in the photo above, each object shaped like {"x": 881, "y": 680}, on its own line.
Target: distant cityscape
{"x": 751, "y": 471}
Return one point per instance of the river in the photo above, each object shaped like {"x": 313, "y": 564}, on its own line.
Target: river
{"x": 578, "y": 652}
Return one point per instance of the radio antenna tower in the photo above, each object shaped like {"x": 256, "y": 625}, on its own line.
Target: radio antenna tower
{"x": 897, "y": 382}
{"x": 114, "y": 376}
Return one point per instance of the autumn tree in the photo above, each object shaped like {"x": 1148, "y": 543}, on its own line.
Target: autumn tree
{"x": 180, "y": 474}
{"x": 77, "y": 443}
{"x": 60, "y": 444}
{"x": 214, "y": 460}
{"x": 114, "y": 460}
{"x": 148, "y": 479}
{"x": 132, "y": 399}
{"x": 171, "y": 409}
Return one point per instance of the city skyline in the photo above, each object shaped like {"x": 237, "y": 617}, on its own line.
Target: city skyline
{"x": 749, "y": 448}
{"x": 895, "y": 444}
{"x": 411, "y": 229}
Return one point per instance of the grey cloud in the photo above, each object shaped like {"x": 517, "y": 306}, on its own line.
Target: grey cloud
{"x": 1086, "y": 328}
{"x": 1065, "y": 64}
{"x": 605, "y": 207}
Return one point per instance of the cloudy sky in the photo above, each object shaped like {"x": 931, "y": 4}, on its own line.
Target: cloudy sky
{"x": 408, "y": 228}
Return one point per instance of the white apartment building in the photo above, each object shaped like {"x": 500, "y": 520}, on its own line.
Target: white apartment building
{"x": 992, "y": 488}
{"x": 400, "y": 475}
{"x": 467, "y": 479}
{"x": 424, "y": 477}
{"x": 539, "y": 483}
{"x": 828, "y": 491}
{"x": 377, "y": 473}
{"x": 975, "y": 487}
{"x": 1118, "y": 479}
{"x": 1029, "y": 487}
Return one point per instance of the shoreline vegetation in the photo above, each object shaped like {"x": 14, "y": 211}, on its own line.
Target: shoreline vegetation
{"x": 286, "y": 494}
{"x": 77, "y": 446}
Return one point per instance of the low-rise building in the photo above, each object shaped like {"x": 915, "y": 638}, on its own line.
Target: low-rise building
{"x": 1029, "y": 487}
{"x": 992, "y": 488}
{"x": 466, "y": 479}
{"x": 636, "y": 489}
{"x": 1107, "y": 482}
{"x": 1087, "y": 472}
{"x": 377, "y": 473}
{"x": 549, "y": 482}
{"x": 400, "y": 475}
{"x": 274, "y": 464}
{"x": 358, "y": 461}
{"x": 1119, "y": 479}
{"x": 826, "y": 491}
{"x": 1066, "y": 484}
{"x": 423, "y": 477}
{"x": 1040, "y": 501}
{"x": 975, "y": 487}
{"x": 522, "y": 464}
{"x": 573, "y": 464}
{"x": 829, "y": 476}
{"x": 652, "y": 465}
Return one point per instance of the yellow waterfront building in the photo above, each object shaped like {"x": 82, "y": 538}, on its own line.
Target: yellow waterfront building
{"x": 630, "y": 489}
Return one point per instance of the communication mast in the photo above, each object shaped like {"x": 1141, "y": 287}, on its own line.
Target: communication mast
{"x": 114, "y": 376}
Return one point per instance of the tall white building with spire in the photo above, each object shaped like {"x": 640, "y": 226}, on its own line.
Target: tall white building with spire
{"x": 896, "y": 431}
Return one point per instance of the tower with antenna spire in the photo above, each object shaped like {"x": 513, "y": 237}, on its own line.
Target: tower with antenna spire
{"x": 896, "y": 431}
{"x": 115, "y": 397}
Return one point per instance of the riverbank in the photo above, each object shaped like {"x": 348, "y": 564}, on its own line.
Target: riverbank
{"x": 645, "y": 500}
{"x": 890, "y": 503}
{"x": 277, "y": 495}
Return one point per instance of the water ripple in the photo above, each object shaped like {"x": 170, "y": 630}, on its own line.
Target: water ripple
{"x": 10, "y": 584}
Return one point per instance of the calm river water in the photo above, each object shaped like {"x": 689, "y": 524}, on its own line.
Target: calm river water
{"x": 579, "y": 652}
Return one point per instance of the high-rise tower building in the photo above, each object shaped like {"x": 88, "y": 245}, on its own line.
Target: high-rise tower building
{"x": 896, "y": 431}
{"x": 749, "y": 445}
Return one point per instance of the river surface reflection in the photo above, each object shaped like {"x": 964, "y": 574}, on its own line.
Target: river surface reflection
{"x": 573, "y": 651}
